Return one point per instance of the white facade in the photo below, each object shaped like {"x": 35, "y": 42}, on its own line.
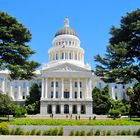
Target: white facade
{"x": 66, "y": 81}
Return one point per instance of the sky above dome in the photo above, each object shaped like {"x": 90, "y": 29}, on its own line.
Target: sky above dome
{"x": 91, "y": 19}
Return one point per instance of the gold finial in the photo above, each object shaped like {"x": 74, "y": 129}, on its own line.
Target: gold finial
{"x": 66, "y": 22}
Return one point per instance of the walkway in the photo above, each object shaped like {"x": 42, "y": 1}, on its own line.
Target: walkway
{"x": 69, "y": 138}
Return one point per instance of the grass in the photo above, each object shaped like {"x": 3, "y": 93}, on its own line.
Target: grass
{"x": 27, "y": 121}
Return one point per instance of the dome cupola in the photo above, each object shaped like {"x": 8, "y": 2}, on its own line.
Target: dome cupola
{"x": 66, "y": 29}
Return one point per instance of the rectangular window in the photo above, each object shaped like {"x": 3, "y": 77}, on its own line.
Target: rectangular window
{"x": 51, "y": 94}
{"x": 57, "y": 84}
{"x": 75, "y": 94}
{"x": 80, "y": 84}
{"x": 116, "y": 86}
{"x": 123, "y": 86}
{"x": 66, "y": 94}
{"x": 75, "y": 84}
{"x": 56, "y": 94}
{"x": 52, "y": 84}
{"x": 80, "y": 94}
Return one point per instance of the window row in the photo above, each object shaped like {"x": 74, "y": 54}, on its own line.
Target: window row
{"x": 66, "y": 55}
{"x": 66, "y": 94}
{"x": 74, "y": 43}
{"x": 75, "y": 84}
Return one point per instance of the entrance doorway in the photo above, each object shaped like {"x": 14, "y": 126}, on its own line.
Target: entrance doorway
{"x": 49, "y": 109}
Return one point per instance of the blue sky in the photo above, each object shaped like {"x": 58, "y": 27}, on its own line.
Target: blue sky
{"x": 91, "y": 19}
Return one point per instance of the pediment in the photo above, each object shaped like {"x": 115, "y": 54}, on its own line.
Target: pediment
{"x": 66, "y": 67}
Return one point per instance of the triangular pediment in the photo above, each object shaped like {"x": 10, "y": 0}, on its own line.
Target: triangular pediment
{"x": 66, "y": 67}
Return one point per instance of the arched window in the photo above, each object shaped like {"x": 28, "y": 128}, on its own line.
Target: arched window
{"x": 69, "y": 42}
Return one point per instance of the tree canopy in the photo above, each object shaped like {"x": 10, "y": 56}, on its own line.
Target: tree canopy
{"x": 121, "y": 62}
{"x": 14, "y": 50}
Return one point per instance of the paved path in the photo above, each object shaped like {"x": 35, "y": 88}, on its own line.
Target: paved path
{"x": 69, "y": 138}
{"x": 68, "y": 129}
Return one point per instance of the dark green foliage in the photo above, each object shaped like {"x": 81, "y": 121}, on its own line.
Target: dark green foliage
{"x": 138, "y": 132}
{"x": 38, "y": 132}
{"x": 83, "y": 133}
{"x": 7, "y": 107}
{"x": 19, "y": 131}
{"x": 20, "y": 112}
{"x": 134, "y": 96}
{"x": 32, "y": 102}
{"x": 77, "y": 133}
{"x": 14, "y": 51}
{"x": 33, "y": 132}
{"x": 108, "y": 133}
{"x": 71, "y": 133}
{"x": 97, "y": 132}
{"x": 101, "y": 100}
{"x": 122, "y": 59}
{"x": 114, "y": 113}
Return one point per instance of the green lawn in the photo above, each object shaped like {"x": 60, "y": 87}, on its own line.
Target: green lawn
{"x": 27, "y": 121}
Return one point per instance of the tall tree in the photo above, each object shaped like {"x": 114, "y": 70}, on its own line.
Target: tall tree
{"x": 122, "y": 59}
{"x": 134, "y": 99}
{"x": 32, "y": 102}
{"x": 14, "y": 51}
{"x": 101, "y": 100}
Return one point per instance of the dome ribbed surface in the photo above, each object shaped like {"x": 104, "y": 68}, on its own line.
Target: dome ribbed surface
{"x": 66, "y": 31}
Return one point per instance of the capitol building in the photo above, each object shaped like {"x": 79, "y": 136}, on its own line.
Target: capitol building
{"x": 66, "y": 81}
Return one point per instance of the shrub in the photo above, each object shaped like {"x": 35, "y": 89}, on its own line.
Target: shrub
{"x": 114, "y": 113}
{"x": 20, "y": 112}
{"x": 90, "y": 133}
{"x": 123, "y": 132}
{"x": 54, "y": 131}
{"x": 45, "y": 133}
{"x": 33, "y": 132}
{"x": 103, "y": 133}
{"x": 19, "y": 131}
{"x": 129, "y": 132}
{"x": 38, "y": 132}
{"x": 108, "y": 133}
{"x": 77, "y": 133}
{"x": 83, "y": 133}
{"x": 12, "y": 132}
{"x": 71, "y": 133}
{"x": 138, "y": 132}
{"x": 4, "y": 130}
{"x": 118, "y": 132}
{"x": 27, "y": 133}
{"x": 60, "y": 132}
{"x": 97, "y": 132}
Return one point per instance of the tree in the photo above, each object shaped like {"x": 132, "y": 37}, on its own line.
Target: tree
{"x": 32, "y": 102}
{"x": 134, "y": 99}
{"x": 7, "y": 106}
{"x": 101, "y": 100}
{"x": 14, "y": 51}
{"x": 121, "y": 62}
